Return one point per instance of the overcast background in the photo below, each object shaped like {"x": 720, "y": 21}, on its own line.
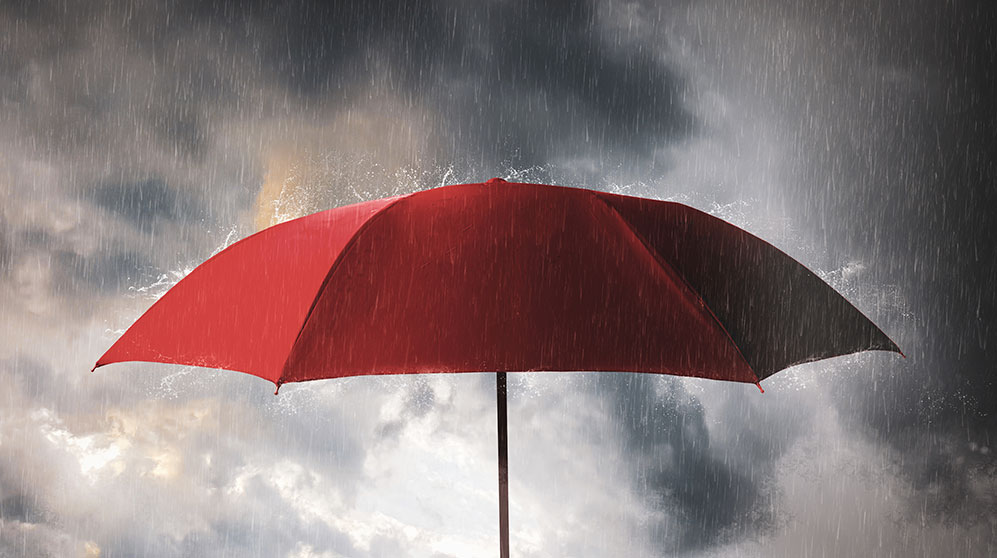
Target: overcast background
{"x": 138, "y": 138}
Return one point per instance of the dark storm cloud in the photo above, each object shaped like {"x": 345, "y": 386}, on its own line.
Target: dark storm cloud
{"x": 144, "y": 201}
{"x": 546, "y": 81}
{"x": 521, "y": 76}
{"x": 899, "y": 142}
{"x": 710, "y": 493}
{"x": 103, "y": 272}
{"x": 15, "y": 506}
{"x": 534, "y": 80}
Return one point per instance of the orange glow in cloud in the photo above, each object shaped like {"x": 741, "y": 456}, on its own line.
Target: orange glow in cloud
{"x": 317, "y": 165}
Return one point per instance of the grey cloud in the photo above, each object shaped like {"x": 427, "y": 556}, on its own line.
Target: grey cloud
{"x": 103, "y": 273}
{"x": 44, "y": 541}
{"x": 30, "y": 380}
{"x": 18, "y": 507}
{"x": 238, "y": 531}
{"x": 143, "y": 201}
{"x": 95, "y": 94}
{"x": 148, "y": 207}
{"x": 941, "y": 430}
{"x": 6, "y": 251}
{"x": 709, "y": 495}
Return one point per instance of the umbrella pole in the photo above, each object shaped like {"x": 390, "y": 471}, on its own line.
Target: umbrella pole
{"x": 503, "y": 465}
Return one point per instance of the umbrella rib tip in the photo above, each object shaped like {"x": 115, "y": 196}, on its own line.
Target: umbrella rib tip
{"x": 759, "y": 384}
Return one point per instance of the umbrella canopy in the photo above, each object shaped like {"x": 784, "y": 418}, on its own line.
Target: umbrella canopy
{"x": 500, "y": 277}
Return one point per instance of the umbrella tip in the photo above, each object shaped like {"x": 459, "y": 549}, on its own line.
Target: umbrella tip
{"x": 759, "y": 387}
{"x": 495, "y": 181}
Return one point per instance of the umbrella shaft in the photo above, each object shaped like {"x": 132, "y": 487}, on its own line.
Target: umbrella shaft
{"x": 503, "y": 465}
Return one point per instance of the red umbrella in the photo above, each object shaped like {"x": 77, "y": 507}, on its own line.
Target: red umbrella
{"x": 500, "y": 277}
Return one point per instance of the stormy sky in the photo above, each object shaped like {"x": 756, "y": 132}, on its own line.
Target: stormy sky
{"x": 139, "y": 138}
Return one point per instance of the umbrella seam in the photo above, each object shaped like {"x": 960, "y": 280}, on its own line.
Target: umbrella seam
{"x": 328, "y": 277}
{"x": 666, "y": 267}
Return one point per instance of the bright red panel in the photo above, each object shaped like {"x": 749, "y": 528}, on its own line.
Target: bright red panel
{"x": 242, "y": 309}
